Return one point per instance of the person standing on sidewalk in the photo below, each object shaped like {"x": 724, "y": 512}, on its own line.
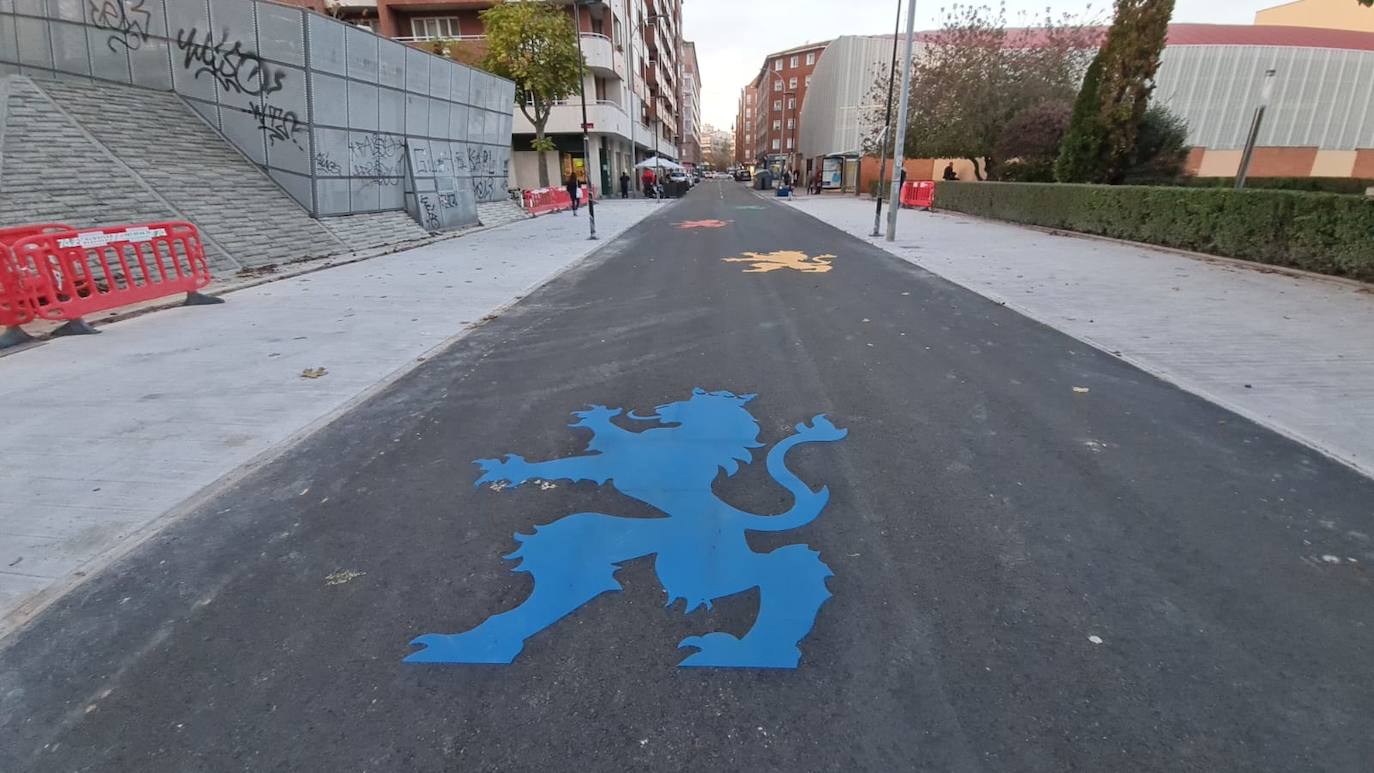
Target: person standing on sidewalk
{"x": 624, "y": 184}
{"x": 574, "y": 192}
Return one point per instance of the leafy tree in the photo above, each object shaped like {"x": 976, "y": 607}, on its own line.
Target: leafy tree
{"x": 1030, "y": 142}
{"x": 974, "y": 75}
{"x": 1161, "y": 148}
{"x": 1134, "y": 44}
{"x": 1126, "y": 65}
{"x": 723, "y": 151}
{"x": 1080, "y": 155}
{"x": 533, "y": 44}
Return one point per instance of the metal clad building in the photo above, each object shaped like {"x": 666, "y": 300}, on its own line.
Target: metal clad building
{"x": 1320, "y": 120}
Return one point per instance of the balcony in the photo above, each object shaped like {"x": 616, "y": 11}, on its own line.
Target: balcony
{"x": 606, "y": 117}
{"x": 599, "y": 53}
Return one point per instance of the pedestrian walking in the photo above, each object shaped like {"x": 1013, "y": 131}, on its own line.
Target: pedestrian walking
{"x": 624, "y": 184}
{"x": 574, "y": 192}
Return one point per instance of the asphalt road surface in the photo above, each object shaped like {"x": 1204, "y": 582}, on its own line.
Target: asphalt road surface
{"x": 1043, "y": 559}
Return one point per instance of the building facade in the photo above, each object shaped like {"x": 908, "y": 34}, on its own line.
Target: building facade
{"x": 779, "y": 93}
{"x": 1319, "y": 122}
{"x": 633, "y": 82}
{"x": 345, "y": 122}
{"x": 1325, "y": 14}
{"x": 744, "y": 125}
{"x": 690, "y": 129}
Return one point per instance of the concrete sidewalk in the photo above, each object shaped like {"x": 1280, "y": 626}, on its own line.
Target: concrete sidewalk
{"x": 105, "y": 435}
{"x": 1292, "y": 352}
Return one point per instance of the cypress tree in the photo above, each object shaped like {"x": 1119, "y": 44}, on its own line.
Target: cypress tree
{"x": 1080, "y": 154}
{"x": 1111, "y": 105}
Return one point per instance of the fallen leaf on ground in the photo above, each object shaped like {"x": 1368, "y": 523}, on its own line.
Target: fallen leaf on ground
{"x": 313, "y": 372}
{"x": 342, "y": 576}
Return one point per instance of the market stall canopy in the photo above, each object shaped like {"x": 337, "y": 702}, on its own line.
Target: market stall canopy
{"x": 661, "y": 163}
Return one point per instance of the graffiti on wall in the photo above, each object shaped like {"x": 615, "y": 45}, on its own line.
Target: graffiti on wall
{"x": 127, "y": 21}
{"x": 278, "y": 124}
{"x": 233, "y": 67}
{"x": 377, "y": 158}
{"x": 431, "y": 214}
{"x": 325, "y": 164}
{"x": 484, "y": 188}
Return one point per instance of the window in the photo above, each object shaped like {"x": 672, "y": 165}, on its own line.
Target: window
{"x": 777, "y": 124}
{"x": 793, "y": 62}
{"x": 811, "y": 58}
{"x": 791, "y": 123}
{"x": 789, "y": 143}
{"x": 808, "y": 81}
{"x": 777, "y": 65}
{"x": 777, "y": 144}
{"x": 430, "y": 27}
{"x": 791, "y": 83}
{"x": 791, "y": 103}
{"x": 777, "y": 105}
{"x": 777, "y": 85}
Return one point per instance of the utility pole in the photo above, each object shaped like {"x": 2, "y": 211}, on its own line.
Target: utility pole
{"x": 586, "y": 127}
{"x": 897, "y": 147}
{"x": 887, "y": 122}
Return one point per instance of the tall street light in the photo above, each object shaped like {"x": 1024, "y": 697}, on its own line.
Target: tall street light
{"x": 897, "y": 149}
{"x": 887, "y": 122}
{"x": 586, "y": 127}
{"x": 1266, "y": 91}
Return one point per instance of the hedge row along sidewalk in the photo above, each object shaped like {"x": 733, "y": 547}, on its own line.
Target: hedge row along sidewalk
{"x": 1326, "y": 233}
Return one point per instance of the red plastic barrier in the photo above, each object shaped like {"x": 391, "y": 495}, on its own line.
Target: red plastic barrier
{"x": 539, "y": 201}
{"x": 74, "y": 273}
{"x": 919, "y": 194}
{"x": 17, "y": 304}
{"x": 15, "y": 233}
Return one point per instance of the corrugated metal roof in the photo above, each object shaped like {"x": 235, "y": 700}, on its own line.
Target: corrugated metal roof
{"x": 1212, "y": 35}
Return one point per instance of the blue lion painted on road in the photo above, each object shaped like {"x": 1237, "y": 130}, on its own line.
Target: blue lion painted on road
{"x": 700, "y": 549}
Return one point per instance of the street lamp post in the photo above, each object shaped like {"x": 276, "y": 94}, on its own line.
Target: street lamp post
{"x": 897, "y": 149}
{"x": 887, "y": 122}
{"x": 1266, "y": 91}
{"x": 586, "y": 127}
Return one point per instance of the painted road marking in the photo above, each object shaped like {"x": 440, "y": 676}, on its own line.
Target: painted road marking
{"x": 703, "y": 224}
{"x": 700, "y": 549}
{"x": 773, "y": 261}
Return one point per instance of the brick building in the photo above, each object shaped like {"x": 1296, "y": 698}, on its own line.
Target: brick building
{"x": 634, "y": 81}
{"x": 778, "y": 93}
{"x": 689, "y": 117}
{"x": 744, "y": 125}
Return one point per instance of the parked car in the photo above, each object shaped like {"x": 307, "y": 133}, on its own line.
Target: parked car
{"x": 679, "y": 176}
{"x": 743, "y": 176}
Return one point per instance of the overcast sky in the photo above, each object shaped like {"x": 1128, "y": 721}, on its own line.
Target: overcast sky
{"x": 733, "y": 35}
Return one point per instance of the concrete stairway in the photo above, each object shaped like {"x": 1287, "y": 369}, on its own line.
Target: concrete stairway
{"x": 194, "y": 171}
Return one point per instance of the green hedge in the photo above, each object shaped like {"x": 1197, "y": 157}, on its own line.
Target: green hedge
{"x": 1348, "y": 185}
{"x": 1320, "y": 232}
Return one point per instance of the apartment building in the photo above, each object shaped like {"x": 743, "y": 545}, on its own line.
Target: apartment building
{"x": 778, "y": 93}
{"x": 744, "y": 125}
{"x": 690, "y": 115}
{"x": 634, "y": 80}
